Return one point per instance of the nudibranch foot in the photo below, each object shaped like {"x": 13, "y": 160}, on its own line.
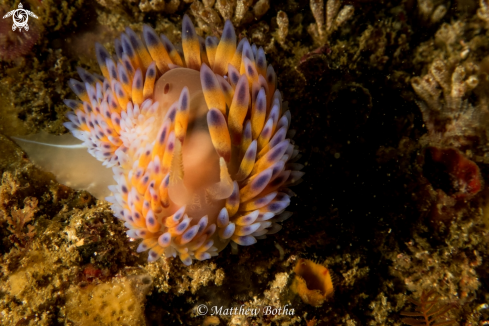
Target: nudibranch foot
{"x": 197, "y": 140}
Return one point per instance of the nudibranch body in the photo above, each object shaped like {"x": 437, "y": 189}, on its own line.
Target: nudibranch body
{"x": 197, "y": 140}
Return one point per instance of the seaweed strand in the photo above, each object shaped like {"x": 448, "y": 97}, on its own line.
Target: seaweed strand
{"x": 428, "y": 311}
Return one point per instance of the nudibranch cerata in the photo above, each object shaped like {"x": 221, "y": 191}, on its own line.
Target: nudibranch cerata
{"x": 197, "y": 140}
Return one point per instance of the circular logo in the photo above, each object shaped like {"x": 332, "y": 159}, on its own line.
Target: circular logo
{"x": 202, "y": 310}
{"x": 21, "y": 18}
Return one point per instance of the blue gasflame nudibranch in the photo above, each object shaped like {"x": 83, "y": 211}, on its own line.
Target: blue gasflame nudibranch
{"x": 197, "y": 140}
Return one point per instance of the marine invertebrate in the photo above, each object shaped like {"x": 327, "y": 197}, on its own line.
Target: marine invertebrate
{"x": 429, "y": 311}
{"x": 198, "y": 144}
{"x": 210, "y": 14}
{"x": 483, "y": 11}
{"x": 283, "y": 27}
{"x": 431, "y": 11}
{"x": 312, "y": 282}
{"x": 118, "y": 301}
{"x": 450, "y": 170}
{"x": 328, "y": 19}
{"x": 449, "y": 118}
{"x": 453, "y": 103}
{"x": 158, "y": 5}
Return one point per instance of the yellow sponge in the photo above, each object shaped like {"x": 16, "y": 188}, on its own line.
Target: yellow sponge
{"x": 113, "y": 303}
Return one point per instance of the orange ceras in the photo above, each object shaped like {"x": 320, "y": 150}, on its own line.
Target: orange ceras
{"x": 312, "y": 282}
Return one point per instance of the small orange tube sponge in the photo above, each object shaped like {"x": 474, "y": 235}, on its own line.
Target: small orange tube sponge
{"x": 312, "y": 282}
